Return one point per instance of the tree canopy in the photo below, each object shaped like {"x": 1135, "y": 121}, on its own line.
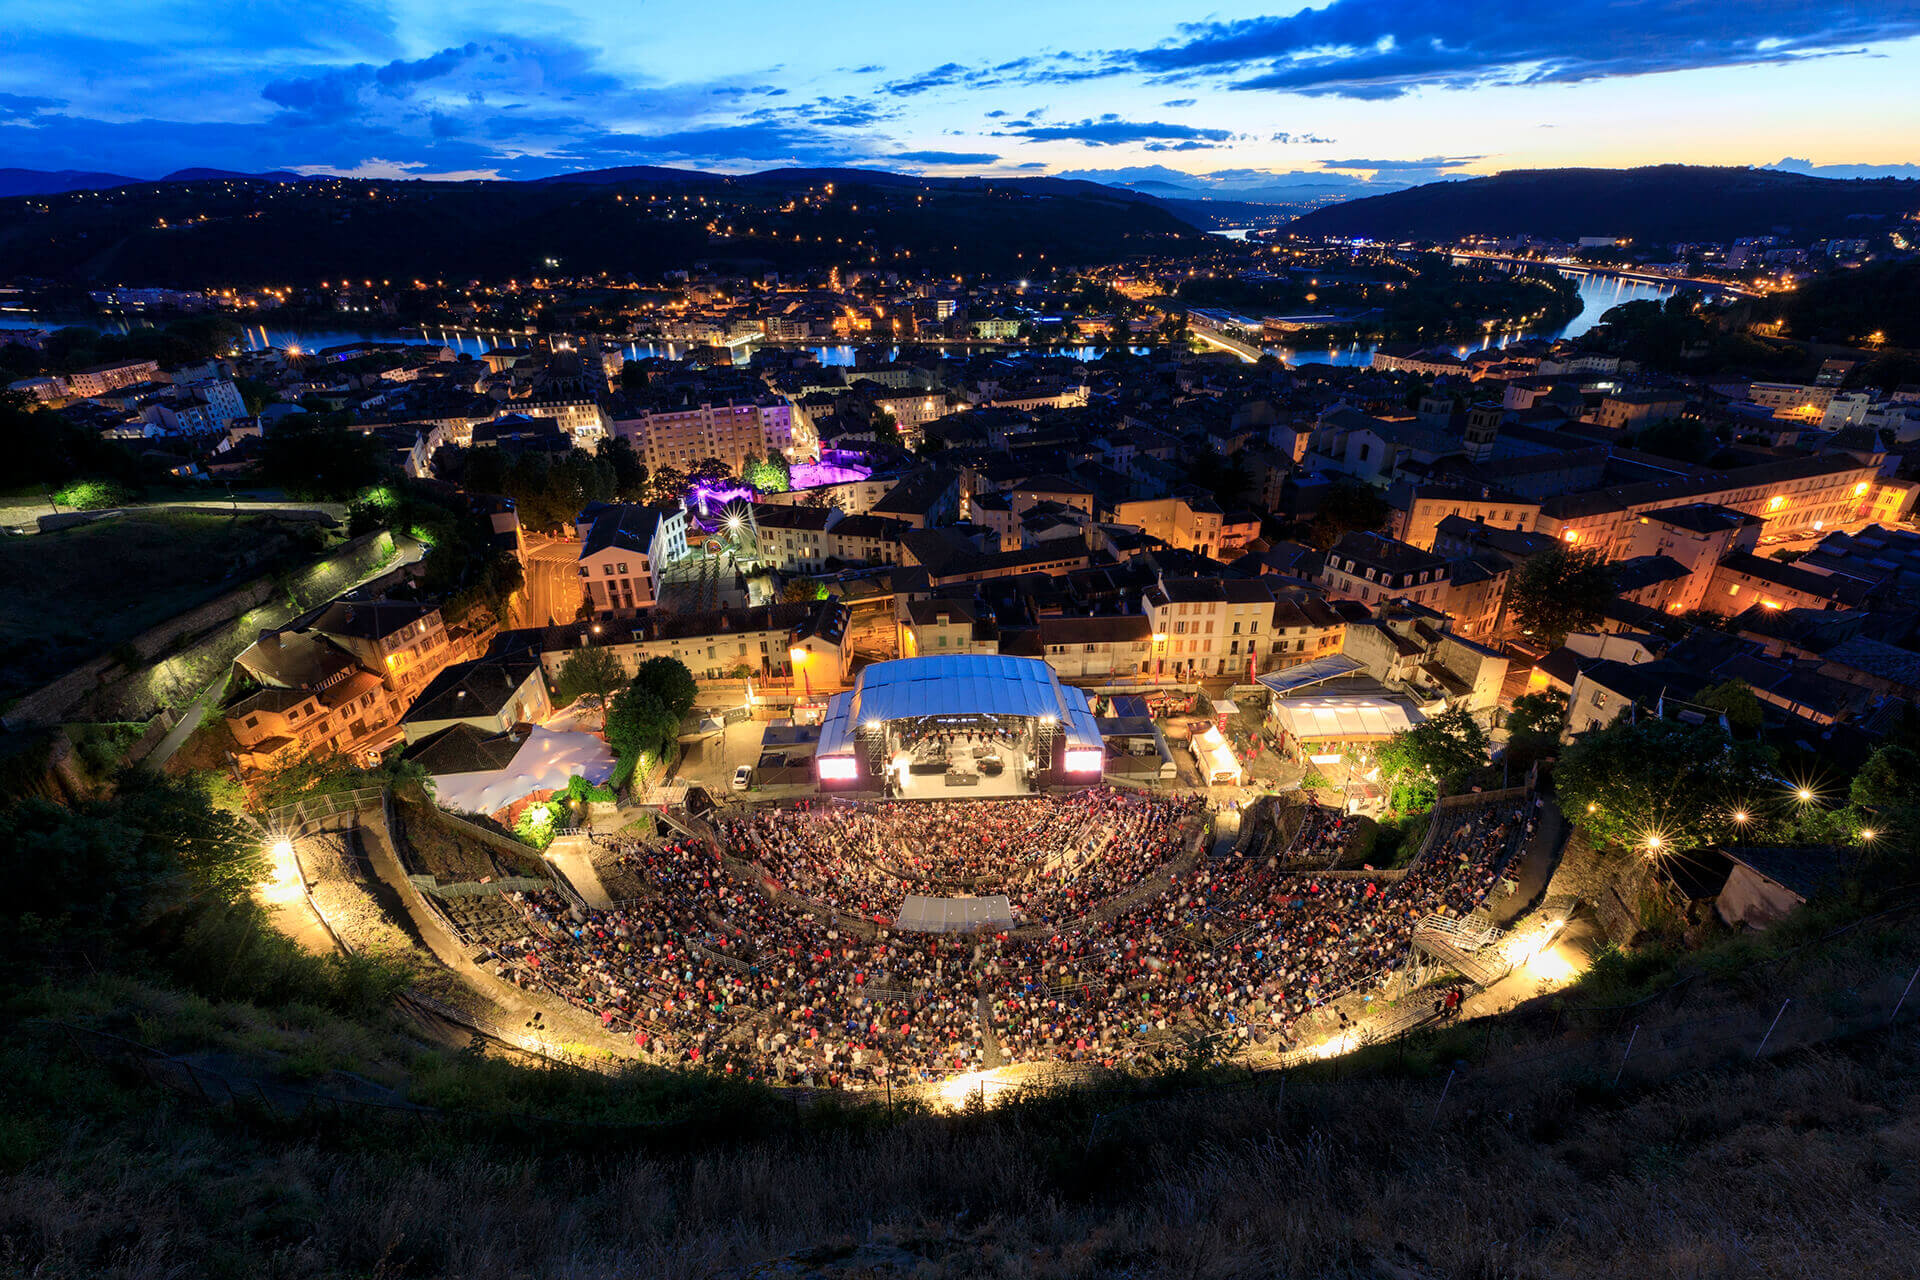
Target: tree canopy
{"x": 1437, "y": 755}
{"x": 1344, "y": 509}
{"x": 644, "y": 717}
{"x": 1559, "y": 591}
{"x": 588, "y": 671}
{"x": 1663, "y": 784}
{"x": 1534, "y": 724}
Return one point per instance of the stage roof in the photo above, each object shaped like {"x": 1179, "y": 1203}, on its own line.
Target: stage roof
{"x": 1310, "y": 673}
{"x": 953, "y": 685}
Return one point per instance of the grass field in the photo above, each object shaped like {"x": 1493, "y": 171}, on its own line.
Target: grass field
{"x": 66, "y": 597}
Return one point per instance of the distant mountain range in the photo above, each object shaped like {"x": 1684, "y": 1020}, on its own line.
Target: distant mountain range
{"x": 210, "y": 228}
{"x": 1658, "y": 205}
{"x": 42, "y": 182}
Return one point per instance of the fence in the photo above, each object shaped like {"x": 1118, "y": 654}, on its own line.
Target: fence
{"x": 321, "y": 813}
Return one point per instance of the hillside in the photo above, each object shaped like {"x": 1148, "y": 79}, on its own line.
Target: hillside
{"x": 263, "y": 231}
{"x": 1658, "y": 204}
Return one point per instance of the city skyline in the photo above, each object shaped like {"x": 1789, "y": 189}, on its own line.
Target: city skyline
{"x": 1249, "y": 98}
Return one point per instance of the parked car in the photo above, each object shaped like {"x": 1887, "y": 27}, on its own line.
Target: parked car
{"x": 743, "y": 777}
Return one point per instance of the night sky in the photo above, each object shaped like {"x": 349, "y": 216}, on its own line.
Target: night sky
{"x": 1248, "y": 97}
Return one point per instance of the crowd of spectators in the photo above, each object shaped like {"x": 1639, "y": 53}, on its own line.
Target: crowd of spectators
{"x": 1054, "y": 859}
{"x": 727, "y": 971}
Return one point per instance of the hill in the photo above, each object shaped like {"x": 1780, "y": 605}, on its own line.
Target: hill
{"x": 43, "y": 182}
{"x": 1658, "y": 204}
{"x": 249, "y": 231}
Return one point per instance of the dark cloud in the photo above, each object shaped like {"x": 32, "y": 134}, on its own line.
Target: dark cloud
{"x": 1110, "y": 130}
{"x": 1354, "y": 49}
{"x": 945, "y": 157}
{"x": 18, "y": 106}
{"x": 940, "y": 77}
{"x": 335, "y": 94}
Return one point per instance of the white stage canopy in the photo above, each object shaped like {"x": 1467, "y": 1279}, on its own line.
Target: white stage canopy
{"x": 545, "y": 761}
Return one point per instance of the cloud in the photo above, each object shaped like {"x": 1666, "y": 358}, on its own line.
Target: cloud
{"x": 1399, "y": 166}
{"x": 377, "y": 167}
{"x": 1791, "y": 164}
{"x": 1179, "y": 102}
{"x": 1110, "y": 130}
{"x": 944, "y": 157}
{"x": 18, "y": 106}
{"x": 335, "y": 93}
{"x": 939, "y": 78}
{"x": 1358, "y": 49}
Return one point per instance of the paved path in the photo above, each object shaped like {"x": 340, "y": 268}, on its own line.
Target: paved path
{"x": 579, "y": 872}
{"x": 1532, "y": 869}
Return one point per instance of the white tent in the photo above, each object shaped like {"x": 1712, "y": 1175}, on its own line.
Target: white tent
{"x": 1343, "y": 717}
{"x": 1218, "y": 765}
{"x": 544, "y": 762}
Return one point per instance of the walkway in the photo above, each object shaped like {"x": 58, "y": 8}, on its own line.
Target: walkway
{"x": 1533, "y": 868}
{"x": 578, "y": 870}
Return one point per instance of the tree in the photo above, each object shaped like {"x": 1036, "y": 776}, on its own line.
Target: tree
{"x": 629, "y": 473}
{"x": 1344, "y": 509}
{"x": 1534, "y": 724}
{"x": 1436, "y": 755}
{"x": 1736, "y": 699}
{"x": 1559, "y": 591}
{"x": 668, "y": 680}
{"x": 710, "y": 473}
{"x": 1885, "y": 796}
{"x": 633, "y": 376}
{"x": 486, "y": 470}
{"x": 667, "y": 487}
{"x": 771, "y": 474}
{"x": 313, "y": 456}
{"x": 594, "y": 671}
{"x": 803, "y": 591}
{"x": 637, "y": 725}
{"x": 1634, "y": 783}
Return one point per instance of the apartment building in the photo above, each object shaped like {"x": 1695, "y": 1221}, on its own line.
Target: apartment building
{"x": 1082, "y": 648}
{"x": 1417, "y": 510}
{"x": 1794, "y": 493}
{"x": 719, "y": 644}
{"x": 491, "y": 694}
{"x": 944, "y": 625}
{"x": 102, "y": 378}
{"x": 1215, "y": 626}
{"x": 337, "y": 679}
{"x": 680, "y": 434}
{"x": 1190, "y": 522}
{"x": 622, "y": 549}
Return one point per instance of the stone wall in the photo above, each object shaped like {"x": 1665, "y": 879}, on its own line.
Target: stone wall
{"x": 189, "y": 651}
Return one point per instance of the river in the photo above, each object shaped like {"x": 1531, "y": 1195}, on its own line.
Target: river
{"x": 1598, "y": 294}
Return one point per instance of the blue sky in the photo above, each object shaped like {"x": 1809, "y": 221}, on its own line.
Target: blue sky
{"x": 1248, "y": 96}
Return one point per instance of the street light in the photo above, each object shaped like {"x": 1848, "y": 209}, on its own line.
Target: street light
{"x": 799, "y": 658}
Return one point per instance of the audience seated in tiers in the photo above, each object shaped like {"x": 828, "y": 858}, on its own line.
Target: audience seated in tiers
{"x": 720, "y": 972}
{"x": 1054, "y": 859}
